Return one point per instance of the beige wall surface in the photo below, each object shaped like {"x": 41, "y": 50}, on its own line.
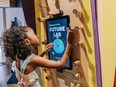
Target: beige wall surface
{"x": 107, "y": 35}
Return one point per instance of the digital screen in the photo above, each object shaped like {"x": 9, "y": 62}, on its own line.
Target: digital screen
{"x": 57, "y": 33}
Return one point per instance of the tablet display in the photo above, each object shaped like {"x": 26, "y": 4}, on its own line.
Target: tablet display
{"x": 57, "y": 33}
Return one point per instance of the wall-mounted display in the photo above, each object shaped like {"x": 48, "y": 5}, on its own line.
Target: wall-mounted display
{"x": 56, "y": 33}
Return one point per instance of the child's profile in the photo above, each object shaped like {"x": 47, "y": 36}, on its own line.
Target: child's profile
{"x": 19, "y": 45}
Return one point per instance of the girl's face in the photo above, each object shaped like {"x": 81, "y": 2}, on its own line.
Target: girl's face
{"x": 34, "y": 40}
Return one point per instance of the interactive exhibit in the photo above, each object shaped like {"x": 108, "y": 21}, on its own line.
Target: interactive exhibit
{"x": 56, "y": 33}
{"x": 53, "y": 17}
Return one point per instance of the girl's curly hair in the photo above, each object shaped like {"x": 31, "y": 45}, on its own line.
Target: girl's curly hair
{"x": 14, "y": 44}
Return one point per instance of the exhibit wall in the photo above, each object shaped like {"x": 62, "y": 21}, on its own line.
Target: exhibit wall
{"x": 83, "y": 57}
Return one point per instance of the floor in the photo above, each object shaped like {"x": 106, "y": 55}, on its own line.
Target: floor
{"x": 5, "y": 72}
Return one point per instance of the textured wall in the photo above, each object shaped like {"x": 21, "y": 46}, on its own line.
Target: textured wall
{"x": 85, "y": 54}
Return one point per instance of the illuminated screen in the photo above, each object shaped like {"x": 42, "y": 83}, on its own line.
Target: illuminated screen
{"x": 56, "y": 33}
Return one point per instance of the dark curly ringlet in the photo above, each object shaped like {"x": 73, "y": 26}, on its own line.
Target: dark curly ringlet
{"x": 14, "y": 44}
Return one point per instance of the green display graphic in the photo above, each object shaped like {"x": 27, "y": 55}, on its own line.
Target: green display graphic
{"x": 58, "y": 46}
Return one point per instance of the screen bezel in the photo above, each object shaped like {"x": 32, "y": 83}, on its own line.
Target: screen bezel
{"x": 68, "y": 23}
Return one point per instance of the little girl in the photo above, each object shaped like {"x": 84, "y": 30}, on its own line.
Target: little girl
{"x": 19, "y": 45}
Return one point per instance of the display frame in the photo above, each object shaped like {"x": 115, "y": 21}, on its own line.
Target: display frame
{"x": 48, "y": 41}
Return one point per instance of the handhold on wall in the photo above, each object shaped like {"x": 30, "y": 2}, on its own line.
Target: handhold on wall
{"x": 76, "y": 44}
{"x": 42, "y": 6}
{"x": 45, "y": 70}
{"x": 76, "y": 28}
{"x": 49, "y": 77}
{"x": 72, "y": 0}
{"x": 83, "y": 30}
{"x": 44, "y": 42}
{"x": 80, "y": 43}
{"x": 78, "y": 85}
{"x": 76, "y": 64}
{"x": 79, "y": 14}
{"x": 40, "y": 19}
{"x": 61, "y": 12}
{"x": 76, "y": 77}
{"x": 49, "y": 15}
{"x": 74, "y": 11}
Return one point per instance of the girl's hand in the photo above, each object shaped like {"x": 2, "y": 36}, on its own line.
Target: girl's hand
{"x": 70, "y": 36}
{"x": 49, "y": 46}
